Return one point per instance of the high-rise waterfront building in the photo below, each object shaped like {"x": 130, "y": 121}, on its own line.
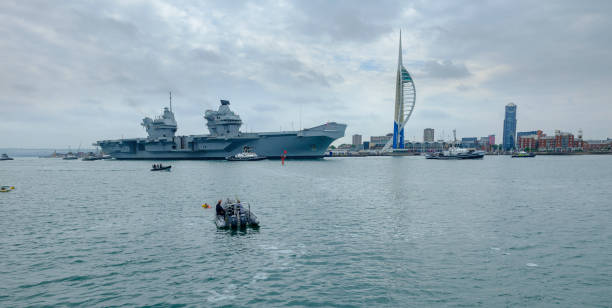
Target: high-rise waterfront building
{"x": 356, "y": 140}
{"x": 509, "y": 141}
{"x": 428, "y": 135}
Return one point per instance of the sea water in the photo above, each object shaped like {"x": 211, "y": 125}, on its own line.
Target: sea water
{"x": 345, "y": 232}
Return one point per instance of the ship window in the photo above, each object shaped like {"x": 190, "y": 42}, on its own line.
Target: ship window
{"x": 174, "y": 147}
{"x": 141, "y": 147}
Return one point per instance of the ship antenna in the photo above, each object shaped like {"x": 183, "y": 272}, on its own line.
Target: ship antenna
{"x": 170, "y": 100}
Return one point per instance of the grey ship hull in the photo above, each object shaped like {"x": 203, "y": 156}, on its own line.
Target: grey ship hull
{"x": 307, "y": 143}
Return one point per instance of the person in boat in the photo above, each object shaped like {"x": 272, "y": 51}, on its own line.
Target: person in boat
{"x": 219, "y": 209}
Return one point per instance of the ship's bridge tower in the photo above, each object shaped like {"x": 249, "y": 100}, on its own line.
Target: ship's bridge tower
{"x": 223, "y": 122}
{"x": 163, "y": 127}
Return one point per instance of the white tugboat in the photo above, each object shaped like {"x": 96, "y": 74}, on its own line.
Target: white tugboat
{"x": 246, "y": 155}
{"x": 70, "y": 156}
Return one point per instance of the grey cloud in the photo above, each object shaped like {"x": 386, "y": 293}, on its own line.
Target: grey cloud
{"x": 58, "y": 58}
{"x": 436, "y": 114}
{"x": 445, "y": 69}
{"x": 345, "y": 20}
{"x": 209, "y": 56}
{"x": 464, "y": 88}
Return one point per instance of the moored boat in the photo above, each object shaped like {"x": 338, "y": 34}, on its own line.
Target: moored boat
{"x": 5, "y": 157}
{"x": 456, "y": 153}
{"x": 523, "y": 154}
{"x": 70, "y": 156}
{"x": 90, "y": 157}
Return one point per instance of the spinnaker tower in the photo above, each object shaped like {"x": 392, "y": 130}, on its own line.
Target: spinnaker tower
{"x": 405, "y": 98}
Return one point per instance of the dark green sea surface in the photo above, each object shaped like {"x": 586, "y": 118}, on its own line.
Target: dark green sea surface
{"x": 362, "y": 232}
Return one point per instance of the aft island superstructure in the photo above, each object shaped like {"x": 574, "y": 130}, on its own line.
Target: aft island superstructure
{"x": 225, "y": 139}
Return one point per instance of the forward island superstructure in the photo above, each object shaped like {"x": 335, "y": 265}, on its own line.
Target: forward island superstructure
{"x": 225, "y": 139}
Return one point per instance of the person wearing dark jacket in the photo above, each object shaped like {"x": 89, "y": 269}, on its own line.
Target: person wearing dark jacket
{"x": 219, "y": 209}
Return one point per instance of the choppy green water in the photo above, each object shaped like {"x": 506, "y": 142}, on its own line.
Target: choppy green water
{"x": 378, "y": 231}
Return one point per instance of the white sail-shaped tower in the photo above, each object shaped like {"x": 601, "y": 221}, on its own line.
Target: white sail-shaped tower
{"x": 405, "y": 98}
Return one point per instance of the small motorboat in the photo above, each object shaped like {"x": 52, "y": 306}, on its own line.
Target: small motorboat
{"x": 246, "y": 155}
{"x": 160, "y": 167}
{"x": 6, "y": 188}
{"x": 237, "y": 216}
{"x": 523, "y": 154}
{"x": 5, "y": 157}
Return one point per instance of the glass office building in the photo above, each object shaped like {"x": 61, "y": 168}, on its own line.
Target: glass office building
{"x": 509, "y": 141}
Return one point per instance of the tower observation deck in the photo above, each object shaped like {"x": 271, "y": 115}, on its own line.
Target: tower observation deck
{"x": 405, "y": 98}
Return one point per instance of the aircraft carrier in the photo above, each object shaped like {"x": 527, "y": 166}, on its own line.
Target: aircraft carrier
{"x": 225, "y": 139}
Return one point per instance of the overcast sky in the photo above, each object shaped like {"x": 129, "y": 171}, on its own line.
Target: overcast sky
{"x": 77, "y": 72}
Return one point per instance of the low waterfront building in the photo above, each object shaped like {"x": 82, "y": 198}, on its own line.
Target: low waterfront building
{"x": 469, "y": 142}
{"x": 529, "y": 142}
{"x": 560, "y": 142}
{"x": 378, "y": 142}
{"x": 426, "y": 147}
{"x": 522, "y": 134}
{"x": 598, "y": 145}
{"x": 491, "y": 140}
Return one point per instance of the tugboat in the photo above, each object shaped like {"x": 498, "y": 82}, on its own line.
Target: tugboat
{"x": 246, "y": 155}
{"x": 160, "y": 167}
{"x": 236, "y": 216}
{"x": 523, "y": 154}
{"x": 70, "y": 156}
{"x": 457, "y": 153}
{"x": 5, "y": 157}
{"x": 90, "y": 157}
